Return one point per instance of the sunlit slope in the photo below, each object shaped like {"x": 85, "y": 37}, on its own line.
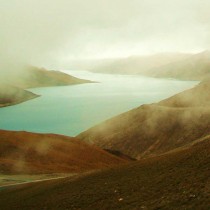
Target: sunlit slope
{"x": 179, "y": 180}
{"x": 157, "y": 128}
{"x": 10, "y": 95}
{"x": 24, "y": 152}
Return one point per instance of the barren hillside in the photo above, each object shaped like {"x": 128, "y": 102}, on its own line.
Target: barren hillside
{"x": 157, "y": 128}
{"x": 30, "y": 153}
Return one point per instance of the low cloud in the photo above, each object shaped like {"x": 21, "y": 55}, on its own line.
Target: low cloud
{"x": 48, "y": 33}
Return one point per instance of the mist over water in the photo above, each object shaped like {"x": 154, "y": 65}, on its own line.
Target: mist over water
{"x": 53, "y": 33}
{"x": 69, "y": 110}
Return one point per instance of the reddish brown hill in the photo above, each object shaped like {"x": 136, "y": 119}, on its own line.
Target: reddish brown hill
{"x": 155, "y": 129}
{"x": 179, "y": 180}
{"x": 24, "y": 152}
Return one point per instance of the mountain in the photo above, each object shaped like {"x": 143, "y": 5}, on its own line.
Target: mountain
{"x": 13, "y": 84}
{"x": 155, "y": 129}
{"x": 177, "y": 180}
{"x": 162, "y": 65}
{"x": 136, "y": 64}
{"x": 32, "y": 153}
{"x": 10, "y": 95}
{"x": 32, "y": 77}
{"x": 195, "y": 97}
{"x": 196, "y": 67}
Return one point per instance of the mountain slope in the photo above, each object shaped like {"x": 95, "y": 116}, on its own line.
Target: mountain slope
{"x": 10, "y": 95}
{"x": 165, "y": 65}
{"x": 157, "y": 128}
{"x": 30, "y": 153}
{"x": 195, "y": 97}
{"x": 13, "y": 91}
{"x": 32, "y": 77}
{"x": 137, "y": 64}
{"x": 196, "y": 67}
{"x": 179, "y": 180}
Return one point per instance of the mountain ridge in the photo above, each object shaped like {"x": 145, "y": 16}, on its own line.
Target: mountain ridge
{"x": 13, "y": 86}
{"x": 155, "y": 129}
{"x": 161, "y": 65}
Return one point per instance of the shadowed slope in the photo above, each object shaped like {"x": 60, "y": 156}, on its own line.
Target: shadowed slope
{"x": 24, "y": 152}
{"x": 155, "y": 129}
{"x": 179, "y": 180}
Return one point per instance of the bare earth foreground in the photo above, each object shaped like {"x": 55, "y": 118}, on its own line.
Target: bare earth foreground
{"x": 179, "y": 180}
{"x": 33, "y": 153}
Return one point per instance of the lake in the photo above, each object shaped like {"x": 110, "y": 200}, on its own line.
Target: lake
{"x": 69, "y": 110}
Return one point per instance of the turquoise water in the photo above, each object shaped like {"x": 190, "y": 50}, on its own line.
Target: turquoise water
{"x": 70, "y": 110}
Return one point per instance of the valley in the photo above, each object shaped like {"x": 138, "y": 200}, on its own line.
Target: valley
{"x": 169, "y": 138}
{"x": 70, "y": 110}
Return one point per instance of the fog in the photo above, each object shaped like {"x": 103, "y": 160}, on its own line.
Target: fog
{"x": 51, "y": 33}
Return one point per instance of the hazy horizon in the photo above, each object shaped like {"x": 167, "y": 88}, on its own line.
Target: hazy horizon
{"x": 46, "y": 33}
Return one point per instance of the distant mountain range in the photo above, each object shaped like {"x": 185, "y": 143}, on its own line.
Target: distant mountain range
{"x": 195, "y": 67}
{"x": 13, "y": 85}
{"x": 137, "y": 64}
{"x": 164, "y": 65}
{"x": 155, "y": 129}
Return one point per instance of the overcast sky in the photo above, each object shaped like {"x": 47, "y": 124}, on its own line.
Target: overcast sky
{"x": 47, "y": 31}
